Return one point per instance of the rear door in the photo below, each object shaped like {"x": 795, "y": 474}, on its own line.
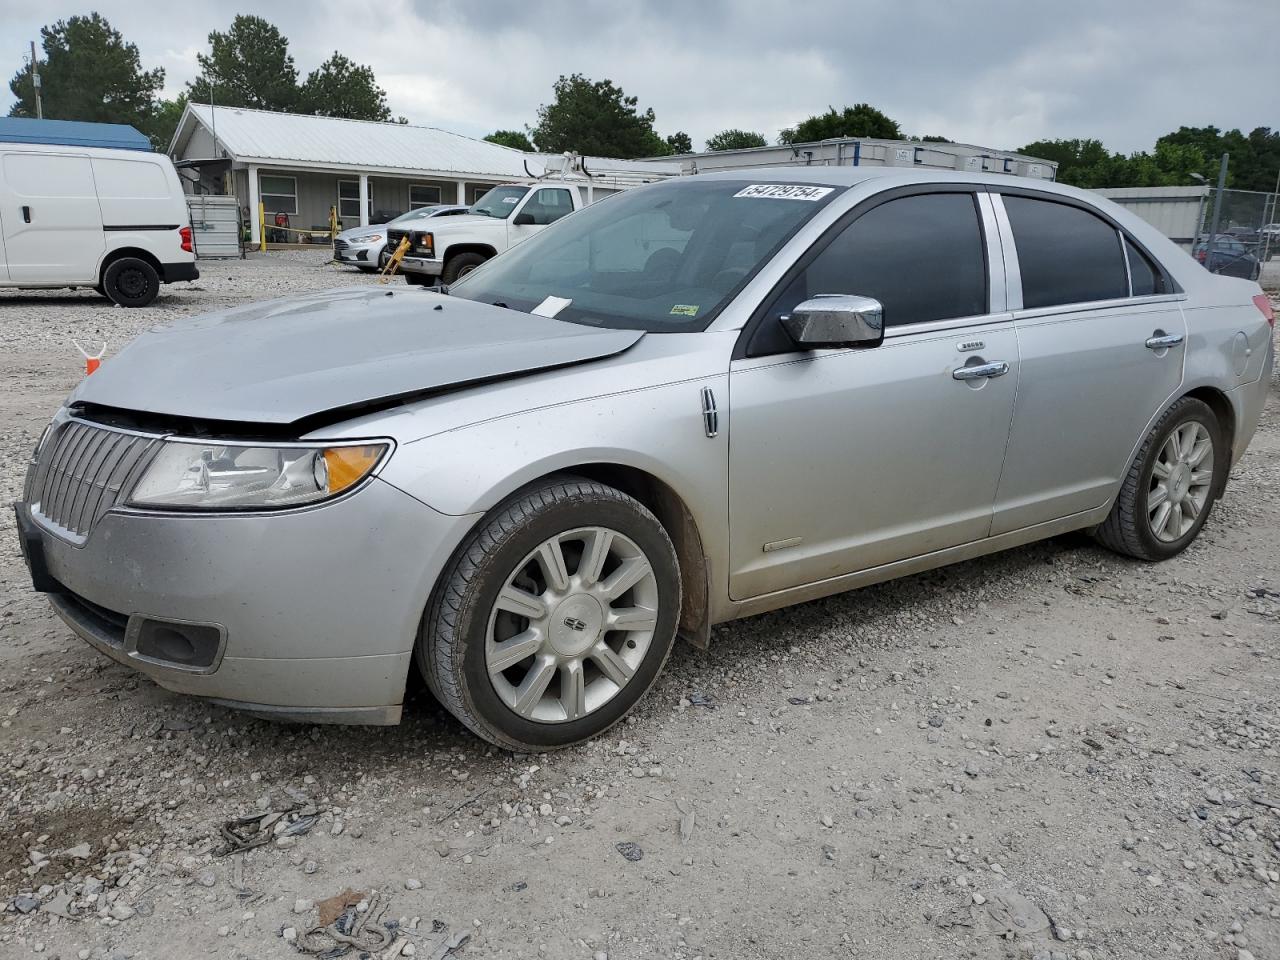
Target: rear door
{"x": 52, "y": 223}
{"x": 844, "y": 460}
{"x": 1101, "y": 338}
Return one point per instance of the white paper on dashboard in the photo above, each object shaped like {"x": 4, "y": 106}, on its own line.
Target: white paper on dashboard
{"x": 550, "y": 307}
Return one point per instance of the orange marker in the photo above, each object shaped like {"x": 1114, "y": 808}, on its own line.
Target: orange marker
{"x": 92, "y": 361}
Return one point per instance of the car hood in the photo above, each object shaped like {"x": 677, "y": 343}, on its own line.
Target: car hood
{"x": 353, "y": 349}
{"x": 352, "y": 232}
{"x": 468, "y": 220}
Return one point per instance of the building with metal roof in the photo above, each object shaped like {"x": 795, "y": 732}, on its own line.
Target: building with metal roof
{"x": 74, "y": 133}
{"x": 299, "y": 166}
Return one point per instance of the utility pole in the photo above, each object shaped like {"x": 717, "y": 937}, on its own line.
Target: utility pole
{"x": 1217, "y": 212}
{"x": 35, "y": 81}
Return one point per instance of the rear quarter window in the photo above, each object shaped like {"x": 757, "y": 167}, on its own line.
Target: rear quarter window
{"x": 1065, "y": 254}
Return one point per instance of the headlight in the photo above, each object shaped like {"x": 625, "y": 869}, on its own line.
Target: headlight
{"x": 223, "y": 476}
{"x": 368, "y": 238}
{"x": 427, "y": 244}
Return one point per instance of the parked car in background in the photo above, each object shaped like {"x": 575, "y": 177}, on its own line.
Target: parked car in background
{"x": 703, "y": 399}
{"x": 500, "y": 219}
{"x": 114, "y": 220}
{"x": 366, "y": 247}
{"x": 1231, "y": 257}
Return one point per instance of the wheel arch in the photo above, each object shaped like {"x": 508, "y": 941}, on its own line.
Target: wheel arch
{"x": 1220, "y": 404}
{"x": 113, "y": 255}
{"x": 484, "y": 249}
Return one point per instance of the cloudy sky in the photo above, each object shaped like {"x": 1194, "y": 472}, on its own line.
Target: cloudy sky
{"x": 989, "y": 72}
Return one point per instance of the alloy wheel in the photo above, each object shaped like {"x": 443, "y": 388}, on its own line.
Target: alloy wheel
{"x": 571, "y": 625}
{"x": 1181, "y": 481}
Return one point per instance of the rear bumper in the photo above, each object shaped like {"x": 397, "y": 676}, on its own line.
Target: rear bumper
{"x": 1248, "y": 400}
{"x": 173, "y": 272}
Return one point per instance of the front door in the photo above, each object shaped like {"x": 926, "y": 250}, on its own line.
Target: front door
{"x": 51, "y": 220}
{"x": 541, "y": 207}
{"x": 843, "y": 460}
{"x": 1101, "y": 339}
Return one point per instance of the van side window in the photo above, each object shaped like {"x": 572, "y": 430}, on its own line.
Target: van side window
{"x": 1065, "y": 254}
{"x": 1145, "y": 279}
{"x": 920, "y": 256}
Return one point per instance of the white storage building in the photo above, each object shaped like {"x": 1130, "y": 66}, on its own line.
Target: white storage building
{"x": 299, "y": 166}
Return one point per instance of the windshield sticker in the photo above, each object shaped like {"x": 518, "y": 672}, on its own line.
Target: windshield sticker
{"x": 684, "y": 310}
{"x": 550, "y": 307}
{"x": 783, "y": 191}
{"x": 510, "y": 199}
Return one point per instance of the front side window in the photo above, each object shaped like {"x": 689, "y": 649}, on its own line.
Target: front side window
{"x": 663, "y": 258}
{"x": 279, "y": 194}
{"x": 1065, "y": 254}
{"x": 547, "y": 206}
{"x": 498, "y": 202}
{"x": 921, "y": 257}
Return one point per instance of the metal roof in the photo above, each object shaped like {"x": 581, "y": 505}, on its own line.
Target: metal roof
{"x": 290, "y": 139}
{"x": 76, "y": 133}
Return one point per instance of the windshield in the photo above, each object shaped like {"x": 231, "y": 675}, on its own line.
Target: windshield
{"x": 498, "y": 202}
{"x": 416, "y": 214}
{"x": 663, "y": 258}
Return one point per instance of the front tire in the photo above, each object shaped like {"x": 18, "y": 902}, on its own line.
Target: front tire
{"x": 1169, "y": 491}
{"x": 130, "y": 282}
{"x": 554, "y": 617}
{"x": 459, "y": 265}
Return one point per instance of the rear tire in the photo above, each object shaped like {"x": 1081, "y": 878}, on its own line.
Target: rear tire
{"x": 459, "y": 265}
{"x": 1170, "y": 488}
{"x": 130, "y": 282}
{"x": 597, "y": 579}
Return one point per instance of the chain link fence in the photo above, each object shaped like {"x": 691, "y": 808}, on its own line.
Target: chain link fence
{"x": 1247, "y": 237}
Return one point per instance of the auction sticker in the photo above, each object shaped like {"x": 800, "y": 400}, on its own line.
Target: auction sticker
{"x": 783, "y": 191}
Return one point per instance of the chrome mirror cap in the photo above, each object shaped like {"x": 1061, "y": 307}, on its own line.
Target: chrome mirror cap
{"x": 836, "y": 320}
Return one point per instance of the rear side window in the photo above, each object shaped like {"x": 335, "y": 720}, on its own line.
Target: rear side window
{"x": 921, "y": 257}
{"x": 1145, "y": 279}
{"x": 1065, "y": 254}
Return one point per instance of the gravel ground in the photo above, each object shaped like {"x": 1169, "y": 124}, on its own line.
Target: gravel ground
{"x": 1050, "y": 753}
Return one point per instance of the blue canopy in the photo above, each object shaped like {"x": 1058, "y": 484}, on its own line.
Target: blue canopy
{"x": 75, "y": 133}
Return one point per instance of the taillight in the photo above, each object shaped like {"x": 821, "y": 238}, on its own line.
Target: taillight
{"x": 185, "y": 234}
{"x": 1263, "y": 303}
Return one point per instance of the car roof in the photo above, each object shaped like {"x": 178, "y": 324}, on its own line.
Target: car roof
{"x": 889, "y": 176}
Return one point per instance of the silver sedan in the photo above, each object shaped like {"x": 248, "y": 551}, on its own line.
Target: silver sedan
{"x": 704, "y": 399}
{"x": 366, "y": 247}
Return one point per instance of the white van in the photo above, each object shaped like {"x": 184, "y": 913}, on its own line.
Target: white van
{"x": 115, "y": 220}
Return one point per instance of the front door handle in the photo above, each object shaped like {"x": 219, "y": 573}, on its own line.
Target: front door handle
{"x": 26, "y": 214}
{"x": 996, "y": 369}
{"x": 1164, "y": 341}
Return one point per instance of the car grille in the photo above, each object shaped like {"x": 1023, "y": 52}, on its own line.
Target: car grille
{"x": 340, "y": 246}
{"x": 394, "y": 237}
{"x": 83, "y": 471}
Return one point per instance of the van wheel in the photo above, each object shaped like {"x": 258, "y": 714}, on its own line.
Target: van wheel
{"x": 554, "y": 617}
{"x": 130, "y": 282}
{"x": 1170, "y": 488}
{"x": 459, "y": 265}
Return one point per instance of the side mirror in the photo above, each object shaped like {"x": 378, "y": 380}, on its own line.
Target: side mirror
{"x": 836, "y": 320}
{"x": 523, "y": 219}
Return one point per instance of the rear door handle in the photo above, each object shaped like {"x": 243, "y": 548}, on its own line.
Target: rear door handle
{"x": 26, "y": 214}
{"x": 997, "y": 368}
{"x": 1164, "y": 341}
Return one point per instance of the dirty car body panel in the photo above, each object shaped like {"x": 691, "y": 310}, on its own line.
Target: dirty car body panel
{"x": 979, "y": 420}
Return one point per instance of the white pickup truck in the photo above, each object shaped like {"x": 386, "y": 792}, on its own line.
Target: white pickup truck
{"x": 444, "y": 250}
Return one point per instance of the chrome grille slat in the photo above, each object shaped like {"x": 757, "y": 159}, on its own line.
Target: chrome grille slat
{"x": 84, "y": 471}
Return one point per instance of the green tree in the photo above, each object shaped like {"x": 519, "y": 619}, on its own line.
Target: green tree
{"x": 860, "y": 120}
{"x": 598, "y": 118}
{"x": 1081, "y": 163}
{"x": 248, "y": 66}
{"x": 511, "y": 138}
{"x": 168, "y": 113}
{"x": 89, "y": 72}
{"x": 734, "y": 139}
{"x": 934, "y": 139}
{"x": 679, "y": 142}
{"x": 340, "y": 87}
